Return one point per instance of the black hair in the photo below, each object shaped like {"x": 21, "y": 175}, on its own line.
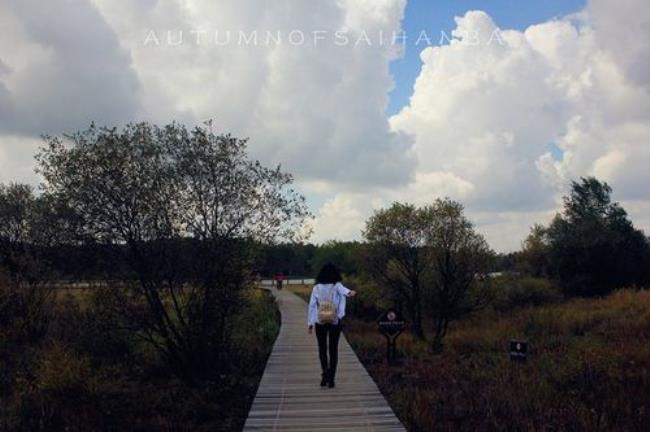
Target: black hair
{"x": 328, "y": 274}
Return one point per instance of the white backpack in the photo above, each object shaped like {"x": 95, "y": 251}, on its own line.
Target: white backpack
{"x": 327, "y": 310}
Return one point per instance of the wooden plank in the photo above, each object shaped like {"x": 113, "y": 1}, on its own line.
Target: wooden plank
{"x": 289, "y": 397}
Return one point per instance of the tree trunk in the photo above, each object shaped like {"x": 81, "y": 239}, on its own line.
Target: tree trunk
{"x": 441, "y": 330}
{"x": 417, "y": 322}
{"x": 437, "y": 345}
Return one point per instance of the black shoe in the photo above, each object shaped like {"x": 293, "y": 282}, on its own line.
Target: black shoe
{"x": 330, "y": 382}
{"x": 324, "y": 379}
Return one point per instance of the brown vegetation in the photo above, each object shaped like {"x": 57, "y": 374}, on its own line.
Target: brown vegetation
{"x": 85, "y": 374}
{"x": 588, "y": 369}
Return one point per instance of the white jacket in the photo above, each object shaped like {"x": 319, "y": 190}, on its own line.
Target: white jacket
{"x": 324, "y": 291}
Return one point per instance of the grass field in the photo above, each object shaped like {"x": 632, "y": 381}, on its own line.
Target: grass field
{"x": 588, "y": 369}
{"x": 83, "y": 376}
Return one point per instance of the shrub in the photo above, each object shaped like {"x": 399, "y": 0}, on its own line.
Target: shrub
{"x": 24, "y": 311}
{"x": 255, "y": 329}
{"x": 56, "y": 392}
{"x": 88, "y": 324}
{"x": 61, "y": 372}
{"x": 371, "y": 298}
{"x": 88, "y": 374}
{"x": 510, "y": 292}
{"x": 586, "y": 370}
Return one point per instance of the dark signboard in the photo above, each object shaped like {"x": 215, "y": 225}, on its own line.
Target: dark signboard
{"x": 518, "y": 350}
{"x": 391, "y": 323}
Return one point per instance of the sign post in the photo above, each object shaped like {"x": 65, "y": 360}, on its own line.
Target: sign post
{"x": 518, "y": 350}
{"x": 391, "y": 323}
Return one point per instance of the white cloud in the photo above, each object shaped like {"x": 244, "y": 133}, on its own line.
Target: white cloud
{"x": 62, "y": 68}
{"x": 17, "y": 159}
{"x": 316, "y": 107}
{"x": 502, "y": 125}
{"x": 486, "y": 114}
{"x": 639, "y": 212}
{"x": 622, "y": 28}
{"x": 340, "y": 218}
{"x": 343, "y": 216}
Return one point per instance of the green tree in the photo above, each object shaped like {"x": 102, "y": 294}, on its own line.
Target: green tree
{"x": 17, "y": 205}
{"x": 431, "y": 259}
{"x": 594, "y": 247}
{"x": 459, "y": 257}
{"x": 396, "y": 237}
{"x": 27, "y": 228}
{"x": 535, "y": 253}
{"x": 176, "y": 200}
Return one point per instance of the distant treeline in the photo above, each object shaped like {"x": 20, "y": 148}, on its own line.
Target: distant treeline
{"x": 97, "y": 261}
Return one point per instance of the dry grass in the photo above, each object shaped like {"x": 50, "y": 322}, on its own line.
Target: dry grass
{"x": 81, "y": 296}
{"x": 588, "y": 369}
{"x": 86, "y": 375}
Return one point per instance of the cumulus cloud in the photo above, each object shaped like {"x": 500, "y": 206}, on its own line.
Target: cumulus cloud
{"x": 622, "y": 29}
{"x": 343, "y": 216}
{"x": 62, "y": 67}
{"x": 503, "y": 120}
{"x": 316, "y": 105}
{"x": 499, "y": 119}
{"x": 275, "y": 72}
{"x": 485, "y": 108}
{"x": 340, "y": 218}
{"x": 17, "y": 159}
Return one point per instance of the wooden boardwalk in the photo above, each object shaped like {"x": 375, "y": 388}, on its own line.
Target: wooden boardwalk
{"x": 289, "y": 397}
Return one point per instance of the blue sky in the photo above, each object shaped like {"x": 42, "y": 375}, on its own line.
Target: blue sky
{"x": 434, "y": 16}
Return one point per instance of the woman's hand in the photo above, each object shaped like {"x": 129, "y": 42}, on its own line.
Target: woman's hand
{"x": 309, "y": 329}
{"x": 352, "y": 293}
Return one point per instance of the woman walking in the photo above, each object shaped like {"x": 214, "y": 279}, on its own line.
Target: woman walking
{"x": 325, "y": 312}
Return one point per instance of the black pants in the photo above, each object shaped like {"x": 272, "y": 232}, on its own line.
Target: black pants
{"x": 323, "y": 333}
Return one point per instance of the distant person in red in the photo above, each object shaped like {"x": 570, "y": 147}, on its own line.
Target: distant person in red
{"x": 279, "y": 277}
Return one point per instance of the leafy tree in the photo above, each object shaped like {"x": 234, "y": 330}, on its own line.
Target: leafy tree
{"x": 534, "y": 256}
{"x": 396, "y": 237}
{"x": 594, "y": 247}
{"x": 26, "y": 230}
{"x": 17, "y": 204}
{"x": 188, "y": 208}
{"x": 429, "y": 256}
{"x": 459, "y": 258}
